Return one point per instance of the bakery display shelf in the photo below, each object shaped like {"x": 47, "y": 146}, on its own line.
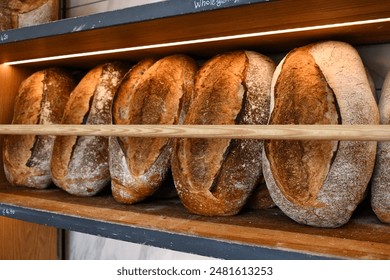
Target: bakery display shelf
{"x": 252, "y": 234}
{"x": 271, "y": 27}
{"x": 134, "y": 33}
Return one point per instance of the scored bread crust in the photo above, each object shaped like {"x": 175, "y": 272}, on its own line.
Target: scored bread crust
{"x": 337, "y": 172}
{"x": 380, "y": 184}
{"x": 216, "y": 176}
{"x": 80, "y": 163}
{"x": 41, "y": 99}
{"x": 153, "y": 92}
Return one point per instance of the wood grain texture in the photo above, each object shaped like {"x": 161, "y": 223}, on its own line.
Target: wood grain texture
{"x": 364, "y": 237}
{"x": 21, "y": 240}
{"x": 287, "y": 132}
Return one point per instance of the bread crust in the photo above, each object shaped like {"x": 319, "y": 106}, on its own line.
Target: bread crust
{"x": 380, "y": 184}
{"x": 216, "y": 176}
{"x": 260, "y": 198}
{"x": 80, "y": 163}
{"x": 41, "y": 99}
{"x": 22, "y": 13}
{"x": 153, "y": 92}
{"x": 320, "y": 183}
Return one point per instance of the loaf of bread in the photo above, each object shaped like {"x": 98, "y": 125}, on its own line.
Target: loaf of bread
{"x": 380, "y": 184}
{"x": 41, "y": 99}
{"x": 153, "y": 92}
{"x": 22, "y": 13}
{"x": 80, "y": 163}
{"x": 216, "y": 176}
{"x": 320, "y": 183}
{"x": 260, "y": 197}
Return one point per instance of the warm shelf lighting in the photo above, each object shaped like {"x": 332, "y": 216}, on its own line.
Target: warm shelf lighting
{"x": 200, "y": 41}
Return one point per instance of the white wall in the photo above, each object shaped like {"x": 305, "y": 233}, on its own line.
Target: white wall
{"x": 82, "y": 246}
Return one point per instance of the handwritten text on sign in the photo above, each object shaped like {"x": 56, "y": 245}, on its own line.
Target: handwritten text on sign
{"x": 209, "y": 3}
{"x": 4, "y": 37}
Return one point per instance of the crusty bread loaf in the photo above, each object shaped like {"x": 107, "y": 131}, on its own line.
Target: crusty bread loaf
{"x": 153, "y": 92}
{"x": 260, "y": 198}
{"x": 380, "y": 185}
{"x": 320, "y": 183}
{"x": 22, "y": 13}
{"x": 216, "y": 176}
{"x": 41, "y": 99}
{"x": 80, "y": 163}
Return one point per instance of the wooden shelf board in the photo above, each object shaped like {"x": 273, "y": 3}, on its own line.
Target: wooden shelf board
{"x": 166, "y": 223}
{"x": 257, "y": 17}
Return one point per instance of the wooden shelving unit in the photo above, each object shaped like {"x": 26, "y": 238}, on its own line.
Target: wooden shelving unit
{"x": 158, "y": 30}
{"x": 260, "y": 234}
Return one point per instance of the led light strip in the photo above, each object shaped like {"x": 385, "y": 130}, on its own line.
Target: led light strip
{"x": 200, "y": 41}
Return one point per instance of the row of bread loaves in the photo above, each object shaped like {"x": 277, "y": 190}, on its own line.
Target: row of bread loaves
{"x": 318, "y": 183}
{"x": 232, "y": 88}
{"x": 212, "y": 176}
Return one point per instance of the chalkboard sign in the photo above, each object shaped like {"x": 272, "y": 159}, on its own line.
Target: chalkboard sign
{"x": 205, "y": 5}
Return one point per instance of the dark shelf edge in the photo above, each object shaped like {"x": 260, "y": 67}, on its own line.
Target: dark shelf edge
{"x": 129, "y": 15}
{"x": 167, "y": 240}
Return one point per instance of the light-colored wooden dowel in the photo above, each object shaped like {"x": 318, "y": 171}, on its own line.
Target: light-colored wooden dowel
{"x": 287, "y": 132}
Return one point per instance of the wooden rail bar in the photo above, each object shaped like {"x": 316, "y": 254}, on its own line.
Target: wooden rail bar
{"x": 283, "y": 132}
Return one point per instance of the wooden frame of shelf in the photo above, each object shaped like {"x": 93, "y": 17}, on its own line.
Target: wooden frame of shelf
{"x": 129, "y": 29}
{"x": 253, "y": 234}
{"x": 266, "y": 234}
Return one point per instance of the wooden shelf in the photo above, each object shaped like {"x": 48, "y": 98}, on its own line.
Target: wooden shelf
{"x": 252, "y": 234}
{"x": 157, "y": 30}
{"x": 160, "y": 24}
